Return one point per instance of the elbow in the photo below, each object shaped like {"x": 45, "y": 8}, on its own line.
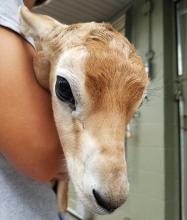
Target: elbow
{"x": 44, "y": 166}
{"x": 42, "y": 174}
{"x": 44, "y": 171}
{"x": 41, "y": 161}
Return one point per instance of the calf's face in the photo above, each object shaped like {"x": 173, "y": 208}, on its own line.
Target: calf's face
{"x": 96, "y": 81}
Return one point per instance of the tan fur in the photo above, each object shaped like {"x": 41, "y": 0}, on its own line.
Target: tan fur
{"x": 110, "y": 72}
{"x": 110, "y": 80}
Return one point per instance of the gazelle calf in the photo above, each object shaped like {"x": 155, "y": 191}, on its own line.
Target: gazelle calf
{"x": 96, "y": 82}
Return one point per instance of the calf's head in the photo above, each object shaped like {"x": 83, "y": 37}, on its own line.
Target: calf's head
{"x": 96, "y": 82}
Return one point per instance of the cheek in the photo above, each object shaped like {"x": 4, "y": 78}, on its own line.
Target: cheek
{"x": 63, "y": 121}
{"x": 88, "y": 146}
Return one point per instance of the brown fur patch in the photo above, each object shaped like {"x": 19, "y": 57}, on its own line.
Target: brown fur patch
{"x": 115, "y": 76}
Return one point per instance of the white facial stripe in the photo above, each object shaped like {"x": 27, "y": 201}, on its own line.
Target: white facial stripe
{"x": 72, "y": 60}
{"x": 88, "y": 145}
{"x": 71, "y": 67}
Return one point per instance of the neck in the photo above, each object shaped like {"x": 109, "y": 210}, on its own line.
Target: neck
{"x": 29, "y": 3}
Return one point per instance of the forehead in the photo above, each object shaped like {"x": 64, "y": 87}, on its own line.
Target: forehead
{"x": 114, "y": 73}
{"x": 108, "y": 63}
{"x": 71, "y": 66}
{"x": 72, "y": 60}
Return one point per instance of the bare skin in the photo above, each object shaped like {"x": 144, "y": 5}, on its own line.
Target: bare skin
{"x": 28, "y": 136}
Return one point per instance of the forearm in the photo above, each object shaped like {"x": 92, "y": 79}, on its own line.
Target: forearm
{"x": 28, "y": 137}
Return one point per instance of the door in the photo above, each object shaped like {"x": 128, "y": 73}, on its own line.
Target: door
{"x": 182, "y": 76}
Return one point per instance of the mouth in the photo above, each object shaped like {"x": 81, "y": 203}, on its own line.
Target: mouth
{"x": 101, "y": 199}
{"x": 95, "y": 208}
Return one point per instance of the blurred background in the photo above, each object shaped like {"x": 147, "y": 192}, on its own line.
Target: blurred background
{"x": 156, "y": 142}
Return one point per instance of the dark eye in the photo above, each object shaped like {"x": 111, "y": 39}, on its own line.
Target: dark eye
{"x": 64, "y": 92}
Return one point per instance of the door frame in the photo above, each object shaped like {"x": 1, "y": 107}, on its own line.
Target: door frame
{"x": 171, "y": 114}
{"x": 181, "y": 9}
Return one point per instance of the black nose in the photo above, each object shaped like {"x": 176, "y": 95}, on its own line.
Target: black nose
{"x": 107, "y": 205}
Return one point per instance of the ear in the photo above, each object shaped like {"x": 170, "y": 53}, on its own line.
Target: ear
{"x": 37, "y": 25}
{"x": 40, "y": 27}
{"x": 42, "y": 67}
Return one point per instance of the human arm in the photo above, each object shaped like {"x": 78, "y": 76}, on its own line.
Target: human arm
{"x": 28, "y": 137}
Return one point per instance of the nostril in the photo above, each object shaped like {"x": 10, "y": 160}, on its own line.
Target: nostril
{"x": 103, "y": 203}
